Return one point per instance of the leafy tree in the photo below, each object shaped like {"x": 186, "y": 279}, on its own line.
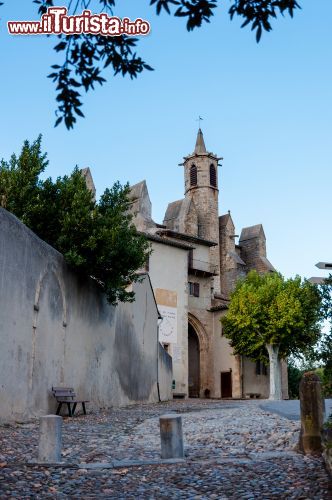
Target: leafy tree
{"x": 324, "y": 349}
{"x": 96, "y": 239}
{"x": 86, "y": 56}
{"x": 294, "y": 379}
{"x": 274, "y": 317}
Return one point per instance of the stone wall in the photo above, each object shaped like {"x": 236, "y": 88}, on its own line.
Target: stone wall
{"x": 56, "y": 328}
{"x": 165, "y": 374}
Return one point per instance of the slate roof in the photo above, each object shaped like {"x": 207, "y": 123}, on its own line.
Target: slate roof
{"x": 168, "y": 241}
{"x": 187, "y": 237}
{"x": 267, "y": 263}
{"x": 236, "y": 258}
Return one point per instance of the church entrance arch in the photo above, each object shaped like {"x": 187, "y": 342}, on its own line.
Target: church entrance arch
{"x": 198, "y": 347}
{"x": 193, "y": 363}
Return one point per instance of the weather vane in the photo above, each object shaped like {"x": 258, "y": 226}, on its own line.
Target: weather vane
{"x": 199, "y": 121}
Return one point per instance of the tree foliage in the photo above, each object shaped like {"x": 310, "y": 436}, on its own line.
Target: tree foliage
{"x": 324, "y": 348}
{"x": 96, "y": 239}
{"x": 87, "y": 56}
{"x": 267, "y": 309}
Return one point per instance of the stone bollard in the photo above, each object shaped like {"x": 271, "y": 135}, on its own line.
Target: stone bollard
{"x": 171, "y": 436}
{"x": 50, "y": 439}
{"x": 312, "y": 413}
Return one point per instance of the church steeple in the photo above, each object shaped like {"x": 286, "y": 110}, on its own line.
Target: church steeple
{"x": 200, "y": 145}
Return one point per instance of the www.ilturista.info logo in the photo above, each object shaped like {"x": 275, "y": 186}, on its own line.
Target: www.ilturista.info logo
{"x": 57, "y": 21}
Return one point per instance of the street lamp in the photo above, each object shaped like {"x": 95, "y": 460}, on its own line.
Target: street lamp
{"x": 319, "y": 280}
{"x": 324, "y": 265}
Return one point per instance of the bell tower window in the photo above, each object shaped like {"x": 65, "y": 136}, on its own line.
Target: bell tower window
{"x": 193, "y": 175}
{"x": 213, "y": 176}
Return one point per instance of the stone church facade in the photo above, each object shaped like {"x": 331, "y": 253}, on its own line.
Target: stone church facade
{"x": 193, "y": 267}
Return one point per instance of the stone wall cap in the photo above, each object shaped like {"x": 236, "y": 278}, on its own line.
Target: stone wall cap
{"x": 168, "y": 416}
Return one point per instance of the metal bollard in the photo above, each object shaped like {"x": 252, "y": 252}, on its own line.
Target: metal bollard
{"x": 50, "y": 439}
{"x": 171, "y": 436}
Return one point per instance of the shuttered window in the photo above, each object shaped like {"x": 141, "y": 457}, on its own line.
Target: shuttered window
{"x": 193, "y": 289}
{"x": 193, "y": 175}
{"x": 213, "y": 176}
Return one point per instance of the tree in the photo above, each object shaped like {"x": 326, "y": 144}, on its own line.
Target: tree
{"x": 86, "y": 55}
{"x": 271, "y": 318}
{"x": 324, "y": 349}
{"x": 96, "y": 239}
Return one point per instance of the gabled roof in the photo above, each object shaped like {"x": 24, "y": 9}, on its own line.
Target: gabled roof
{"x": 223, "y": 219}
{"x": 137, "y": 190}
{"x": 86, "y": 173}
{"x": 248, "y": 233}
{"x": 173, "y": 210}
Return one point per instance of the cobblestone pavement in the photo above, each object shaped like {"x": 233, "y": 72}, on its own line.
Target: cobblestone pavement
{"x": 234, "y": 450}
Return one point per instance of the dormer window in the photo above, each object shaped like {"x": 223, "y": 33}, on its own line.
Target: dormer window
{"x": 193, "y": 175}
{"x": 213, "y": 175}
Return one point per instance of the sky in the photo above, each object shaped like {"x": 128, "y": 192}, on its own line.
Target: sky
{"x": 266, "y": 109}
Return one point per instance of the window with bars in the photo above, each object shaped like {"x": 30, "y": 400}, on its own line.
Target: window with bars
{"x": 193, "y": 175}
{"x": 193, "y": 289}
{"x": 213, "y": 175}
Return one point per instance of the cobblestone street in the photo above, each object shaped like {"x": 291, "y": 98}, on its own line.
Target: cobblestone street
{"x": 234, "y": 449}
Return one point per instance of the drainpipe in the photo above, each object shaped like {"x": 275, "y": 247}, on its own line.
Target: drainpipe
{"x": 241, "y": 375}
{"x": 158, "y": 388}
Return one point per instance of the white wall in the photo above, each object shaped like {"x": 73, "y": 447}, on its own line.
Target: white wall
{"x": 168, "y": 268}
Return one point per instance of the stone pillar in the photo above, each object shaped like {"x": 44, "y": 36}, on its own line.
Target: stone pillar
{"x": 50, "y": 439}
{"x": 171, "y": 436}
{"x": 312, "y": 413}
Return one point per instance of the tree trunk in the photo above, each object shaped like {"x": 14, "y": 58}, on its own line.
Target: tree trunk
{"x": 275, "y": 372}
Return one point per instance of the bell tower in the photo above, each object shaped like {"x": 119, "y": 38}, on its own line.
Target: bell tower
{"x": 201, "y": 186}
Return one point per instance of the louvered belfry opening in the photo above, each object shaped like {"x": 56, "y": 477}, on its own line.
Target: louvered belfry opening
{"x": 193, "y": 175}
{"x": 213, "y": 175}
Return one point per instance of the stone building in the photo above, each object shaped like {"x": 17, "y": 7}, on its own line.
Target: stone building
{"x": 193, "y": 267}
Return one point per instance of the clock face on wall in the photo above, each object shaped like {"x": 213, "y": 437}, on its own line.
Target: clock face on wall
{"x": 168, "y": 326}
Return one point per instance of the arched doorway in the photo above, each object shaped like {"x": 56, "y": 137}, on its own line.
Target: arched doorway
{"x": 193, "y": 363}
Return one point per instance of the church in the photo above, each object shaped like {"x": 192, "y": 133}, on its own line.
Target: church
{"x": 193, "y": 267}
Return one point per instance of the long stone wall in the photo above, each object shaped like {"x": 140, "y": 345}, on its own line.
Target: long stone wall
{"x": 56, "y": 328}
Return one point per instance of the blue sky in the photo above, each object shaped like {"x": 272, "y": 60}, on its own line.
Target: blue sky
{"x": 267, "y": 111}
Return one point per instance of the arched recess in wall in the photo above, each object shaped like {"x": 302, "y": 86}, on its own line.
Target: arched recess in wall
{"x": 48, "y": 350}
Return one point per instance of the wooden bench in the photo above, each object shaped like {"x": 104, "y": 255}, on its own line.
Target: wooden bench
{"x": 67, "y": 396}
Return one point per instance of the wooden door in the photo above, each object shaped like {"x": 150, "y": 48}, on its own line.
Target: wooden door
{"x": 226, "y": 384}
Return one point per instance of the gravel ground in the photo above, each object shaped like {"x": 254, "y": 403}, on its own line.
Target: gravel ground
{"x": 234, "y": 450}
